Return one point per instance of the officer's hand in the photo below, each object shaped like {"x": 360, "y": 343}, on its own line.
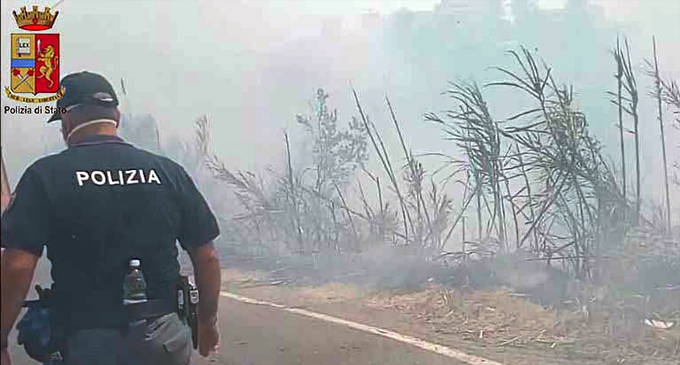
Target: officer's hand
{"x": 4, "y": 358}
{"x": 208, "y": 337}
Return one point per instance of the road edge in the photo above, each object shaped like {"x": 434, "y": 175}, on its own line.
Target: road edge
{"x": 425, "y": 345}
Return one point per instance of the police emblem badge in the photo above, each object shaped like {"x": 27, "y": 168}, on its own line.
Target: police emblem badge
{"x": 35, "y": 58}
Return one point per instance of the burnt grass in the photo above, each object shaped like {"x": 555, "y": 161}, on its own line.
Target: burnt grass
{"x": 615, "y": 313}
{"x": 653, "y": 278}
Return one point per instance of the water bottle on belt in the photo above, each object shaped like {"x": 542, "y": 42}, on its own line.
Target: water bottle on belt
{"x": 134, "y": 285}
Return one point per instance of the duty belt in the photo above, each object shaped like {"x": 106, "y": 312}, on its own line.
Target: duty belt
{"x": 116, "y": 315}
{"x": 150, "y": 309}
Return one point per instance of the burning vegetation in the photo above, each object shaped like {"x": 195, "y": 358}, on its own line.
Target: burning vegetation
{"x": 550, "y": 217}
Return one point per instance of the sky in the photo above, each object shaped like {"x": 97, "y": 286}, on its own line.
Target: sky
{"x": 253, "y": 65}
{"x": 349, "y": 7}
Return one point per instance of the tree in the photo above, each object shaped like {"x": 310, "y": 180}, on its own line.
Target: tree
{"x": 336, "y": 153}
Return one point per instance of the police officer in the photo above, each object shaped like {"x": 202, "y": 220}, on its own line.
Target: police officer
{"x": 96, "y": 205}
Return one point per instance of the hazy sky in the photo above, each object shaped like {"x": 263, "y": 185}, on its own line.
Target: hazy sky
{"x": 252, "y": 65}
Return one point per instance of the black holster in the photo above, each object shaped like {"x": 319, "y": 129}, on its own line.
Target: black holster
{"x": 187, "y": 300}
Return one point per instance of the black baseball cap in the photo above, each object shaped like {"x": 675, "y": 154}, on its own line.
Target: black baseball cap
{"x": 85, "y": 88}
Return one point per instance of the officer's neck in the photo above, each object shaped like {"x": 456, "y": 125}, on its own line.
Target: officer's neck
{"x": 98, "y": 129}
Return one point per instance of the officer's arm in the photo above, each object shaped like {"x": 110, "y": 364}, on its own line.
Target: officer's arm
{"x": 16, "y": 274}
{"x": 23, "y": 233}
{"x": 208, "y": 274}
{"x": 198, "y": 230}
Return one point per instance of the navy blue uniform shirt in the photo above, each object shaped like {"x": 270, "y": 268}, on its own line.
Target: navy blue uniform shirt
{"x": 95, "y": 206}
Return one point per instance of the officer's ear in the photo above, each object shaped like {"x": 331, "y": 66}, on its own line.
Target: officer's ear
{"x": 117, "y": 117}
{"x": 65, "y": 125}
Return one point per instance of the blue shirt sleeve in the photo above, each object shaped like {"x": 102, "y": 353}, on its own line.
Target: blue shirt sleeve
{"x": 25, "y": 223}
{"x": 198, "y": 224}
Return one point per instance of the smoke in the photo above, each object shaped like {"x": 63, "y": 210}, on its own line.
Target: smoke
{"x": 252, "y": 68}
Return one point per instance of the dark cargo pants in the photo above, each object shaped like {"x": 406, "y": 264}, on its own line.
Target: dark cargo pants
{"x": 162, "y": 341}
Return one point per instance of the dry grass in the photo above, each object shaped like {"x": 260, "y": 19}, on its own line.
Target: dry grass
{"x": 501, "y": 318}
{"x": 233, "y": 276}
{"x": 333, "y": 292}
{"x": 494, "y": 317}
{"x": 260, "y": 284}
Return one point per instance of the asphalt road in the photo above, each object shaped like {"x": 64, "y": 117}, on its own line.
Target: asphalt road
{"x": 259, "y": 335}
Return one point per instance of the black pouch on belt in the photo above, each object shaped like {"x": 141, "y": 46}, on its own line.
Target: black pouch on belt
{"x": 37, "y": 330}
